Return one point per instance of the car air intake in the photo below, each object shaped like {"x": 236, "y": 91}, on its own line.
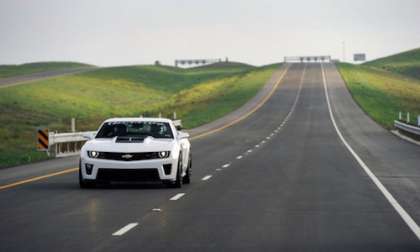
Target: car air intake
{"x": 128, "y": 175}
{"x": 167, "y": 168}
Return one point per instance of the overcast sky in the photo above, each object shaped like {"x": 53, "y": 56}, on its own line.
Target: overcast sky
{"x": 254, "y": 31}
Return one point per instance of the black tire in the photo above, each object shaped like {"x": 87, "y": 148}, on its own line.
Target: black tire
{"x": 187, "y": 178}
{"x": 83, "y": 183}
{"x": 178, "y": 181}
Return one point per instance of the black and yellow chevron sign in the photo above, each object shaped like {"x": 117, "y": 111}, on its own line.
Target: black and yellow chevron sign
{"x": 42, "y": 135}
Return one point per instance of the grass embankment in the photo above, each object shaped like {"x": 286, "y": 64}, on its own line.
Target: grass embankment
{"x": 15, "y": 70}
{"x": 198, "y": 95}
{"x": 406, "y": 63}
{"x": 382, "y": 94}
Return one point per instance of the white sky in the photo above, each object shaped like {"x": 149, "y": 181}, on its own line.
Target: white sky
{"x": 254, "y": 31}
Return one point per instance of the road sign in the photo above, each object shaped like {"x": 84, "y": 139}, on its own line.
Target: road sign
{"x": 179, "y": 62}
{"x": 42, "y": 136}
{"x": 359, "y": 57}
{"x": 322, "y": 58}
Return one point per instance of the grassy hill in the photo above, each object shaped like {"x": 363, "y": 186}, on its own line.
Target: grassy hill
{"x": 224, "y": 67}
{"x": 406, "y": 63}
{"x": 29, "y": 68}
{"x": 198, "y": 95}
{"x": 383, "y": 93}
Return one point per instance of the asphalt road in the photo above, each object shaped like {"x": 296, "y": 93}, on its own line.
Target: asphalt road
{"x": 281, "y": 180}
{"x": 27, "y": 78}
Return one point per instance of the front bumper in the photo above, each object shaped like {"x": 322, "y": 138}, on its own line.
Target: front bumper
{"x": 129, "y": 170}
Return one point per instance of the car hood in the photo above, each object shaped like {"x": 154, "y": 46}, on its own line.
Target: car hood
{"x": 148, "y": 145}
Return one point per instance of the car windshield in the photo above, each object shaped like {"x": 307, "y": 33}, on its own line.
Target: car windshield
{"x": 135, "y": 129}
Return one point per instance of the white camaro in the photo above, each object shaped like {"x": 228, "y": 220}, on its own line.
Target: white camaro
{"x": 136, "y": 149}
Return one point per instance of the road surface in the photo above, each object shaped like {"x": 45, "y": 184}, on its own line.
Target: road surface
{"x": 281, "y": 180}
{"x": 27, "y": 78}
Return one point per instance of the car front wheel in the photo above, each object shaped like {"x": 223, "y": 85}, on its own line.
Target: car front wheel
{"x": 178, "y": 181}
{"x": 187, "y": 178}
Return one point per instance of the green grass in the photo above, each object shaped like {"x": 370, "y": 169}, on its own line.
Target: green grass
{"x": 382, "y": 94}
{"x": 227, "y": 67}
{"x": 406, "y": 63}
{"x": 198, "y": 95}
{"x": 15, "y": 70}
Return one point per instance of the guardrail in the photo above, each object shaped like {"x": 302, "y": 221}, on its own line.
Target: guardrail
{"x": 406, "y": 128}
{"x": 66, "y": 144}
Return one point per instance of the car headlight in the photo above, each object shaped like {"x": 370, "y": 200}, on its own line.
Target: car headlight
{"x": 93, "y": 154}
{"x": 164, "y": 154}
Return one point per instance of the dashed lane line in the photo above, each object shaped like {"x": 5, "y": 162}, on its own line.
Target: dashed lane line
{"x": 206, "y": 177}
{"x": 125, "y": 229}
{"x": 177, "y": 196}
{"x": 226, "y": 165}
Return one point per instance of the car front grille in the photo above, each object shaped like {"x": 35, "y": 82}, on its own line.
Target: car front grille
{"x": 128, "y": 156}
{"x": 128, "y": 174}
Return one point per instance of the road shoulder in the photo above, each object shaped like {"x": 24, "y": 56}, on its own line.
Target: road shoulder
{"x": 393, "y": 160}
{"x": 28, "y": 78}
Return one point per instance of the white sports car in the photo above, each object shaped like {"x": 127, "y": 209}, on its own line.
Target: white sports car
{"x": 136, "y": 149}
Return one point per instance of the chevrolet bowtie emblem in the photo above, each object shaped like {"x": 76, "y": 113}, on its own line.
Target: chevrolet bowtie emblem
{"x": 127, "y": 156}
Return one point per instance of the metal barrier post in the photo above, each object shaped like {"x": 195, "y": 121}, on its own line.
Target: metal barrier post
{"x": 73, "y": 125}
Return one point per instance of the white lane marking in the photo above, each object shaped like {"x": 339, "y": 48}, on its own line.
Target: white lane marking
{"x": 206, "y": 177}
{"x": 177, "y": 196}
{"x": 156, "y": 210}
{"x": 218, "y": 169}
{"x": 287, "y": 116}
{"x": 400, "y": 210}
{"x": 239, "y": 157}
{"x": 125, "y": 229}
{"x": 226, "y": 165}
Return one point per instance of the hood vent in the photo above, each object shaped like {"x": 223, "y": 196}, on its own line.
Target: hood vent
{"x": 126, "y": 139}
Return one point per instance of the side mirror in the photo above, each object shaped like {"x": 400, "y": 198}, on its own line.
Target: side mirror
{"x": 183, "y": 135}
{"x": 178, "y": 124}
{"x": 89, "y": 135}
